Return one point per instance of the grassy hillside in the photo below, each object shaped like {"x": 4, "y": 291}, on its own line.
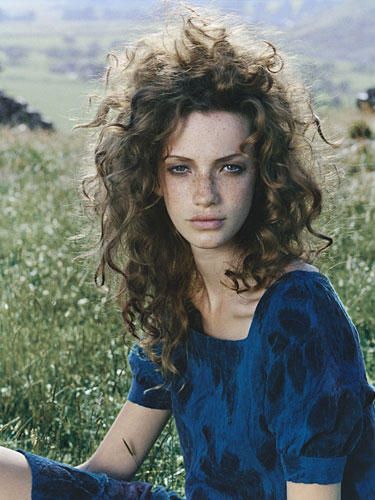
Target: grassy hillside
{"x": 63, "y": 361}
{"x": 341, "y": 32}
{"x": 46, "y": 61}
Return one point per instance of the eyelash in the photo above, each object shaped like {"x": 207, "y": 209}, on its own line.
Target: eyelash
{"x": 173, "y": 171}
{"x": 239, "y": 169}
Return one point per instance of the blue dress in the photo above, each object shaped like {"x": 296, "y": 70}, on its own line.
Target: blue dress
{"x": 290, "y": 402}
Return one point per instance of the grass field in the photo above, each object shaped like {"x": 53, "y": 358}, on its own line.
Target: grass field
{"x": 63, "y": 363}
{"x": 63, "y": 366}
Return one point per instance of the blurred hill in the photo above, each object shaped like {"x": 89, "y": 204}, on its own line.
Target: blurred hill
{"x": 344, "y": 31}
{"x": 52, "y": 52}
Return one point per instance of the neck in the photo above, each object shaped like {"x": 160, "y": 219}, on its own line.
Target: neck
{"x": 211, "y": 265}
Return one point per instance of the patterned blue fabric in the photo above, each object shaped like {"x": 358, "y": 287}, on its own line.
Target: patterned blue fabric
{"x": 53, "y": 480}
{"x": 291, "y": 401}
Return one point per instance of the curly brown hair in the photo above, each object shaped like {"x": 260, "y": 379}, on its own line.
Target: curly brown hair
{"x": 198, "y": 66}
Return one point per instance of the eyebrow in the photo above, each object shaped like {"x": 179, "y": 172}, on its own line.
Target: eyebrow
{"x": 224, "y": 158}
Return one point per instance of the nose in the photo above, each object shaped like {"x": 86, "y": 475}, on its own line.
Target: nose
{"x": 205, "y": 191}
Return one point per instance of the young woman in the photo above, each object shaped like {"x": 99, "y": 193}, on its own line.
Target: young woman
{"x": 206, "y": 192}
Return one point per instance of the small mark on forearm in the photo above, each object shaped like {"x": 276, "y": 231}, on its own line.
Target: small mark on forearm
{"x": 128, "y": 448}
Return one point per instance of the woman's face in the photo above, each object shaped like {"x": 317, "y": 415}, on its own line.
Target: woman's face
{"x": 206, "y": 182}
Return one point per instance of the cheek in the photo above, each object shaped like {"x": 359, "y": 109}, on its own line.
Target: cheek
{"x": 171, "y": 203}
{"x": 242, "y": 197}
{"x": 175, "y": 193}
{"x": 173, "y": 200}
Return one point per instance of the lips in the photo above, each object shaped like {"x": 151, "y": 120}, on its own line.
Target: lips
{"x": 205, "y": 218}
{"x": 205, "y": 222}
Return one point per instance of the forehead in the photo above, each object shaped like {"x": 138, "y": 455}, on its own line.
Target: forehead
{"x": 215, "y": 133}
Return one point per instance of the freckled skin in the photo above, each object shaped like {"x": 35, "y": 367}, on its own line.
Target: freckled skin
{"x": 203, "y": 187}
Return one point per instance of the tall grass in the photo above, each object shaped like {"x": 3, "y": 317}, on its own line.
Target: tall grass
{"x": 63, "y": 366}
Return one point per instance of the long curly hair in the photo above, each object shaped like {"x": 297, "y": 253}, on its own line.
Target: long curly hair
{"x": 198, "y": 64}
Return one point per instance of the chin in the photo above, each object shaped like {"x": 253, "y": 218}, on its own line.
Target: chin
{"x": 210, "y": 245}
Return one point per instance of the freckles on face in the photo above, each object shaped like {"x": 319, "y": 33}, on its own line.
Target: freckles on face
{"x": 204, "y": 177}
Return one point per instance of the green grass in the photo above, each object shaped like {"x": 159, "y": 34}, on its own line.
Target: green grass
{"x": 63, "y": 365}
{"x": 63, "y": 362}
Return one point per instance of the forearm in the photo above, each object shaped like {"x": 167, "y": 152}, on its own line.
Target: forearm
{"x": 106, "y": 461}
{"x": 302, "y": 491}
{"x": 15, "y": 475}
{"x": 128, "y": 441}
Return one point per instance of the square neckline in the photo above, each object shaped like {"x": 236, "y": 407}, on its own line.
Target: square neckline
{"x": 269, "y": 290}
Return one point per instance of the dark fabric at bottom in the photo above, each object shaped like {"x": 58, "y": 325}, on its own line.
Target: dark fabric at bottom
{"x": 53, "y": 480}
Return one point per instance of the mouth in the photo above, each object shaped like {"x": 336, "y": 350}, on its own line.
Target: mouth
{"x": 203, "y": 218}
{"x": 206, "y": 222}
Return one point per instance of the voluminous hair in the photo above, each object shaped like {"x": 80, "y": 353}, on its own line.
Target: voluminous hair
{"x": 198, "y": 65}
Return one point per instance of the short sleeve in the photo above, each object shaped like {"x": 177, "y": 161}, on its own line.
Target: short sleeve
{"x": 148, "y": 387}
{"x": 316, "y": 387}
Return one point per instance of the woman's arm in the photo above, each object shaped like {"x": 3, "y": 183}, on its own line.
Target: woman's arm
{"x": 302, "y": 491}
{"x": 138, "y": 425}
{"x": 128, "y": 441}
{"x": 15, "y": 476}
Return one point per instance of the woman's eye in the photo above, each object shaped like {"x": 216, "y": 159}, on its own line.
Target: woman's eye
{"x": 178, "y": 169}
{"x": 233, "y": 169}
